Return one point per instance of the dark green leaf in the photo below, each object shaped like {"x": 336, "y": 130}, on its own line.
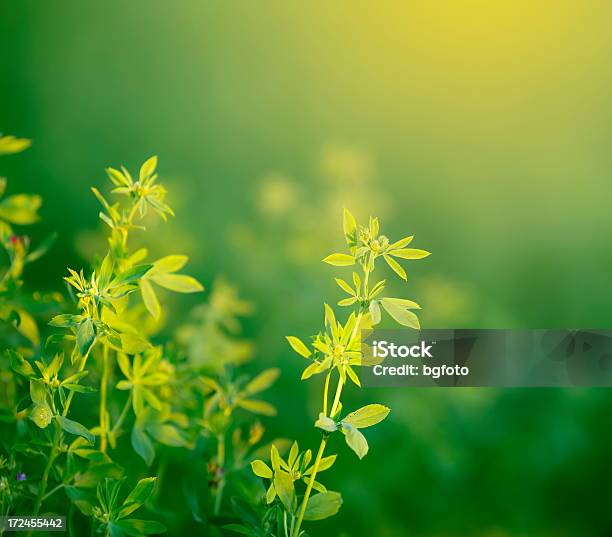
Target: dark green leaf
{"x": 74, "y": 427}
{"x": 142, "y": 445}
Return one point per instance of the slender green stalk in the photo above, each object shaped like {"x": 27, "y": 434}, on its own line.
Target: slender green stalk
{"x": 334, "y": 409}
{"x": 315, "y": 469}
{"x": 221, "y": 470}
{"x": 122, "y": 416}
{"x": 81, "y": 367}
{"x": 56, "y": 442}
{"x": 103, "y": 394}
{"x": 45, "y": 477}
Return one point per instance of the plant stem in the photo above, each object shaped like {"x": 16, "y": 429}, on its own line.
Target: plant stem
{"x": 81, "y": 367}
{"x": 56, "y": 441}
{"x": 221, "y": 471}
{"x": 45, "y": 477}
{"x": 327, "y": 377}
{"x": 334, "y": 409}
{"x": 313, "y": 475}
{"x": 124, "y": 411}
{"x": 52, "y": 491}
{"x": 103, "y": 387}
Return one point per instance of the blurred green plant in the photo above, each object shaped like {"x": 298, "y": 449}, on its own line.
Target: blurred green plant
{"x": 335, "y": 352}
{"x": 162, "y": 394}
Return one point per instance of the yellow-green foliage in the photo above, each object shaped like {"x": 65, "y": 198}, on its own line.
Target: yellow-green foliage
{"x": 335, "y": 352}
{"x": 106, "y": 390}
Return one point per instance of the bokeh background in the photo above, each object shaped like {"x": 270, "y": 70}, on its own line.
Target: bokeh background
{"x": 482, "y": 127}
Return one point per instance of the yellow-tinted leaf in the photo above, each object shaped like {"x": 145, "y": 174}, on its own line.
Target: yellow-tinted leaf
{"x": 27, "y": 327}
{"x": 261, "y": 469}
{"x": 178, "y": 283}
{"x": 410, "y": 253}
{"x": 257, "y": 407}
{"x": 345, "y": 286}
{"x": 357, "y": 442}
{"x": 11, "y": 144}
{"x": 401, "y": 243}
{"x": 20, "y": 209}
{"x": 148, "y": 168}
{"x": 149, "y": 298}
{"x": 400, "y": 314}
{"x": 262, "y": 381}
{"x": 367, "y": 416}
{"x": 323, "y": 505}
{"x": 298, "y": 346}
{"x": 339, "y": 260}
{"x": 348, "y": 222}
{"x": 395, "y": 266}
{"x": 133, "y": 343}
{"x": 170, "y": 263}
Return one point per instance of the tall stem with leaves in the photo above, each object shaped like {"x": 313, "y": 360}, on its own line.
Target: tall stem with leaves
{"x": 337, "y": 351}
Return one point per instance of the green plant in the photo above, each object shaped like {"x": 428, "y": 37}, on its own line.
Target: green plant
{"x": 135, "y": 393}
{"x": 335, "y": 353}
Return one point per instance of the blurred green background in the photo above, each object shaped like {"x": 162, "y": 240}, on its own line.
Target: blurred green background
{"x": 482, "y": 127}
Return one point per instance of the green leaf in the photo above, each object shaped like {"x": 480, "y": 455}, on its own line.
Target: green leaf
{"x": 20, "y": 209}
{"x": 404, "y": 303}
{"x": 293, "y": 453}
{"x": 136, "y": 528}
{"x": 326, "y": 463}
{"x": 74, "y": 427}
{"x": 313, "y": 369}
{"x": 401, "y": 315}
{"x": 410, "y": 253}
{"x": 367, "y": 416}
{"x": 401, "y": 243}
{"x": 12, "y": 144}
{"x": 85, "y": 336}
{"x": 349, "y": 224}
{"x": 148, "y": 168}
{"x": 130, "y": 276}
{"x": 396, "y": 267}
{"x": 179, "y": 283}
{"x": 65, "y": 320}
{"x": 167, "y": 435}
{"x": 106, "y": 272}
{"x": 133, "y": 343}
{"x": 142, "y": 445}
{"x": 339, "y": 260}
{"x": 326, "y": 423}
{"x": 323, "y": 505}
{"x": 19, "y": 364}
{"x": 285, "y": 490}
{"x": 38, "y": 393}
{"x": 262, "y": 381}
{"x": 138, "y": 496}
{"x": 374, "y": 312}
{"x": 275, "y": 458}
{"x": 149, "y": 298}
{"x": 261, "y": 469}
{"x": 170, "y": 263}
{"x": 356, "y": 441}
{"x": 257, "y": 407}
{"x": 345, "y": 286}
{"x": 298, "y": 346}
